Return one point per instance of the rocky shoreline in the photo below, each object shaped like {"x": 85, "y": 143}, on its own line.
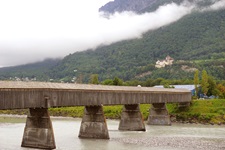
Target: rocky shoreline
{"x": 177, "y": 143}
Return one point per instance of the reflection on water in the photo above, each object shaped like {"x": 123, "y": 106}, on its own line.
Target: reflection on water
{"x": 66, "y": 130}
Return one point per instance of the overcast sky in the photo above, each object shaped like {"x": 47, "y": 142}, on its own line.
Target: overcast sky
{"x": 32, "y": 30}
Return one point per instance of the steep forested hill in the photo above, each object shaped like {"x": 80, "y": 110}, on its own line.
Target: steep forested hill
{"x": 142, "y": 6}
{"x": 37, "y": 70}
{"x": 196, "y": 41}
{"x": 127, "y": 5}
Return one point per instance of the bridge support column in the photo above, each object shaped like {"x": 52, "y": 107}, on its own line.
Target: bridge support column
{"x": 38, "y": 132}
{"x": 131, "y": 118}
{"x": 93, "y": 123}
{"x": 158, "y": 115}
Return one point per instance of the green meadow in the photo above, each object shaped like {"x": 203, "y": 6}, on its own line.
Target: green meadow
{"x": 200, "y": 111}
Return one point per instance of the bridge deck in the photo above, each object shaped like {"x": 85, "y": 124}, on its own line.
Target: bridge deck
{"x": 16, "y": 94}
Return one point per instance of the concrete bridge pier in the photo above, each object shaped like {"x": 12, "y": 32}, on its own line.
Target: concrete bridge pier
{"x": 131, "y": 118}
{"x": 93, "y": 123}
{"x": 38, "y": 132}
{"x": 158, "y": 115}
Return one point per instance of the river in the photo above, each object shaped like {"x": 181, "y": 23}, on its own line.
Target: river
{"x": 66, "y": 130}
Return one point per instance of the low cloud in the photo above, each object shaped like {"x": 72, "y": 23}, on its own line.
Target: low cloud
{"x": 127, "y": 25}
{"x": 34, "y": 30}
{"x": 216, "y": 5}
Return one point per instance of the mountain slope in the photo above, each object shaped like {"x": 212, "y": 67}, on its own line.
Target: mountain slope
{"x": 197, "y": 41}
{"x": 199, "y": 36}
{"x": 33, "y": 70}
{"x": 142, "y": 6}
{"x": 127, "y": 5}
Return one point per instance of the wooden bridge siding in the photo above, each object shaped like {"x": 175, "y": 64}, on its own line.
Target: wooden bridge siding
{"x": 39, "y": 98}
{"x": 87, "y": 98}
{"x": 13, "y": 99}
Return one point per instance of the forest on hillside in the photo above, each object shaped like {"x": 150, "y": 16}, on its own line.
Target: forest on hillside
{"x": 196, "y": 42}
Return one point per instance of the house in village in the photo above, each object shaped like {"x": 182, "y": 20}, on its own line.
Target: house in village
{"x": 162, "y": 63}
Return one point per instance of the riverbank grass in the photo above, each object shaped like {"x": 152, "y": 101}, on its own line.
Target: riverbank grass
{"x": 200, "y": 111}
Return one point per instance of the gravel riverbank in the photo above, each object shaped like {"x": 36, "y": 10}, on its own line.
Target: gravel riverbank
{"x": 184, "y": 143}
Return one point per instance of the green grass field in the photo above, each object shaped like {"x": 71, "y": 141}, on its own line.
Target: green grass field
{"x": 200, "y": 111}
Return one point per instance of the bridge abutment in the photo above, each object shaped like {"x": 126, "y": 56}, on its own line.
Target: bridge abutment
{"x": 158, "y": 115}
{"x": 93, "y": 123}
{"x": 131, "y": 118}
{"x": 38, "y": 132}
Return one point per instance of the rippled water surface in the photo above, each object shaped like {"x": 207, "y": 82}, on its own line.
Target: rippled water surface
{"x": 66, "y": 130}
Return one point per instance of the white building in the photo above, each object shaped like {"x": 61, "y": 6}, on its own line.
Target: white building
{"x": 162, "y": 63}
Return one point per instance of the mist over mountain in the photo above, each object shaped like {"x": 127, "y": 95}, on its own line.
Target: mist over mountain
{"x": 143, "y": 6}
{"x": 127, "y": 5}
{"x": 64, "y": 27}
{"x": 195, "y": 41}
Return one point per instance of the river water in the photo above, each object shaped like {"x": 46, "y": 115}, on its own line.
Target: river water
{"x": 66, "y": 130}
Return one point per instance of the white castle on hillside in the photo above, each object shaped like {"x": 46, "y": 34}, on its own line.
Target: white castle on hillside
{"x": 162, "y": 63}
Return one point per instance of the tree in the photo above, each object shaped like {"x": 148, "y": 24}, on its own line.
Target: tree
{"x": 148, "y": 83}
{"x": 212, "y": 87}
{"x": 80, "y": 79}
{"x": 117, "y": 81}
{"x": 133, "y": 83}
{"x": 166, "y": 85}
{"x": 221, "y": 89}
{"x": 196, "y": 82}
{"x": 94, "y": 79}
{"x": 107, "y": 82}
{"x": 157, "y": 81}
{"x": 204, "y": 82}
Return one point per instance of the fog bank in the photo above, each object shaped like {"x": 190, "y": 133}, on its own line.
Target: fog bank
{"x": 34, "y": 30}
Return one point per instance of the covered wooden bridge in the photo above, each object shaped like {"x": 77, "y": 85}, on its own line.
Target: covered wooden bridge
{"x": 39, "y": 96}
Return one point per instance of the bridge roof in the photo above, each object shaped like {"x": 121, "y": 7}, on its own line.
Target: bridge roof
{"x": 20, "y": 95}
{"x": 72, "y": 86}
